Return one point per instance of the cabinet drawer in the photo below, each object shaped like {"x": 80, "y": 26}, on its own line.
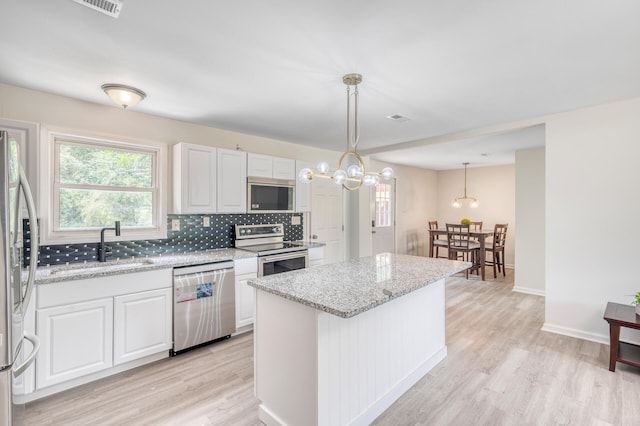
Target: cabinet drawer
{"x": 246, "y": 266}
{"x": 64, "y": 293}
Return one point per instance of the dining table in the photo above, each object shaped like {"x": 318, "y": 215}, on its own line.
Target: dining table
{"x": 480, "y": 235}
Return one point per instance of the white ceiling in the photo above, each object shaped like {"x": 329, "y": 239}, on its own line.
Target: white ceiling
{"x": 274, "y": 68}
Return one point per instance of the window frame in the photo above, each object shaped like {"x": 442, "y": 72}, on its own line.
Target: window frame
{"x": 50, "y": 177}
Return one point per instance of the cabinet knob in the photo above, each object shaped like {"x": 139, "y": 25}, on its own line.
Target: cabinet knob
{"x": 314, "y": 237}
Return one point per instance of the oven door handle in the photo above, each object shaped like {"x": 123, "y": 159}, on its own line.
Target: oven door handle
{"x": 284, "y": 256}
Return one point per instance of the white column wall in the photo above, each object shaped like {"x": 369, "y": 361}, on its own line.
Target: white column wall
{"x": 530, "y": 208}
{"x": 592, "y": 206}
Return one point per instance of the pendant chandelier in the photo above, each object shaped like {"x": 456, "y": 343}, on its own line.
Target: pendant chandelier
{"x": 351, "y": 173}
{"x": 457, "y": 202}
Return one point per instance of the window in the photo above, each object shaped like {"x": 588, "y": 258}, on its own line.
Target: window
{"x": 383, "y": 205}
{"x": 96, "y": 182}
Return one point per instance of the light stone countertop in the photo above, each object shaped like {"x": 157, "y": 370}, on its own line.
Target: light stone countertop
{"x": 309, "y": 244}
{"x": 76, "y": 271}
{"x": 349, "y": 288}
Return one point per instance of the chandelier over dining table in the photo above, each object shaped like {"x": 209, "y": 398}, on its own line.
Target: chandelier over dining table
{"x": 457, "y": 202}
{"x": 351, "y": 172}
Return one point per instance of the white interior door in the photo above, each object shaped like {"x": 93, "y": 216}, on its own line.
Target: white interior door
{"x": 327, "y": 218}
{"x": 383, "y": 224}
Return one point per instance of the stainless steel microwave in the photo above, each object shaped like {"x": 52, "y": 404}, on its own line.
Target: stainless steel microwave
{"x": 270, "y": 195}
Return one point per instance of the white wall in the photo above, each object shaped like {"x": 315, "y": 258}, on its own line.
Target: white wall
{"x": 592, "y": 210}
{"x": 494, "y": 187}
{"x": 416, "y": 191}
{"x": 47, "y": 109}
{"x": 530, "y": 208}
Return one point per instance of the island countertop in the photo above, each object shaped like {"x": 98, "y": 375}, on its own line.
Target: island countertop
{"x": 349, "y": 288}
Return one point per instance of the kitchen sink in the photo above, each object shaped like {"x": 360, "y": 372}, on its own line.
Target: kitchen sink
{"x": 94, "y": 268}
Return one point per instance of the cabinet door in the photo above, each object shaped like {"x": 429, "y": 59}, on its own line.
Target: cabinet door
{"x": 284, "y": 168}
{"x": 232, "y": 181}
{"x": 303, "y": 190}
{"x": 245, "y": 296}
{"x": 142, "y": 325}
{"x": 194, "y": 179}
{"x": 259, "y": 165}
{"x": 316, "y": 256}
{"x": 75, "y": 339}
{"x": 246, "y": 269}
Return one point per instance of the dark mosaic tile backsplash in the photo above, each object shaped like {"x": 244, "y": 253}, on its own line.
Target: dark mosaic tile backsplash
{"x": 191, "y": 237}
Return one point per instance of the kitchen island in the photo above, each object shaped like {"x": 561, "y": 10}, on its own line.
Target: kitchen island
{"x": 339, "y": 343}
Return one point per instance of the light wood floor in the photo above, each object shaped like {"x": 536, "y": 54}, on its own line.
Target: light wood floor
{"x": 501, "y": 369}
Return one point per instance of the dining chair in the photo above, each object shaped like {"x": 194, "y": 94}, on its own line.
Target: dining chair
{"x": 496, "y": 248}
{"x": 436, "y": 242}
{"x": 475, "y": 226}
{"x": 460, "y": 246}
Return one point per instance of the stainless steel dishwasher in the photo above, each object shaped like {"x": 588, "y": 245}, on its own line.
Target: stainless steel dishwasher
{"x": 204, "y": 307}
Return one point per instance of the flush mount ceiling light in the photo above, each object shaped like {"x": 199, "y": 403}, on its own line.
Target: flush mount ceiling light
{"x": 457, "y": 202}
{"x": 351, "y": 173}
{"x": 124, "y": 96}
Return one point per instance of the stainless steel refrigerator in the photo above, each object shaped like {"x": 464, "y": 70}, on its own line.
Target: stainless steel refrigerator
{"x": 15, "y": 286}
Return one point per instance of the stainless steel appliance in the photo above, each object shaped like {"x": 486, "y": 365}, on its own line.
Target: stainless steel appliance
{"x": 204, "y": 304}
{"x": 274, "y": 254}
{"x": 15, "y": 292}
{"x": 270, "y": 195}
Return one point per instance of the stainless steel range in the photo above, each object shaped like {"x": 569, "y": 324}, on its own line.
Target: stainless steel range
{"x": 274, "y": 254}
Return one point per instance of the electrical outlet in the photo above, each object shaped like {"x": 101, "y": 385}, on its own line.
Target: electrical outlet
{"x": 175, "y": 224}
{"x": 295, "y": 220}
{"x": 206, "y": 222}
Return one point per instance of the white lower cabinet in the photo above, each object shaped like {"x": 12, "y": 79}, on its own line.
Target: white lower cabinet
{"x": 245, "y": 270}
{"x": 91, "y": 328}
{"x": 75, "y": 340}
{"x": 141, "y": 325}
{"x": 316, "y": 256}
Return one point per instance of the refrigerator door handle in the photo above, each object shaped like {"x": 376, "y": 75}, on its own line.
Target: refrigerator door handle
{"x": 33, "y": 226}
{"x": 17, "y": 371}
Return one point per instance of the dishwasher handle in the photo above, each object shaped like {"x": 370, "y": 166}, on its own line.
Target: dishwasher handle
{"x": 206, "y": 267}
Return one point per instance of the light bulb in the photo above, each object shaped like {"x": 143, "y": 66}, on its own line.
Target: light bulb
{"x": 387, "y": 173}
{"x": 305, "y": 175}
{"x": 339, "y": 177}
{"x": 474, "y": 204}
{"x": 323, "y": 167}
{"x": 371, "y": 180}
{"x": 456, "y": 204}
{"x": 354, "y": 171}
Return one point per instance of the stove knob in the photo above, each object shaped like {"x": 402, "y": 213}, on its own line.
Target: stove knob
{"x": 276, "y": 229}
{"x": 248, "y": 231}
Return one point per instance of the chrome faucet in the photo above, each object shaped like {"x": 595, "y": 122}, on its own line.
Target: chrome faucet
{"x": 103, "y": 250}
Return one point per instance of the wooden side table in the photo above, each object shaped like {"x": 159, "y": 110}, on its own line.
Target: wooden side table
{"x": 619, "y": 315}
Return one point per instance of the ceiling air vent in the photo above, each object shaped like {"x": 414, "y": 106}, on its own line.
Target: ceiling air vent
{"x": 398, "y": 118}
{"x": 108, "y": 7}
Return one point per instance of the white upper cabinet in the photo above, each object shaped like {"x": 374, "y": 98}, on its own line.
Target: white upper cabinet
{"x": 284, "y": 168}
{"x": 194, "y": 179}
{"x": 303, "y": 190}
{"x": 232, "y": 181}
{"x": 259, "y": 165}
{"x": 266, "y": 166}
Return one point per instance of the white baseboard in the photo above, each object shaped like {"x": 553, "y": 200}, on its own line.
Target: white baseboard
{"x": 572, "y": 332}
{"x": 528, "y": 290}
{"x": 268, "y": 418}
